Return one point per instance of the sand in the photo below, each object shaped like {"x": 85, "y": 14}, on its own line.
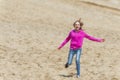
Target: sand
{"x": 31, "y": 31}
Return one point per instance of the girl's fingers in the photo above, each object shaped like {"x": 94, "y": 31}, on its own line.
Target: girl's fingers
{"x": 58, "y": 48}
{"x": 103, "y": 40}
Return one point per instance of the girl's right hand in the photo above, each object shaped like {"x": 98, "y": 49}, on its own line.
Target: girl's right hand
{"x": 59, "y": 48}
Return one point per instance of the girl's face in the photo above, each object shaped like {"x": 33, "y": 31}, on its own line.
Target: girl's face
{"x": 77, "y": 26}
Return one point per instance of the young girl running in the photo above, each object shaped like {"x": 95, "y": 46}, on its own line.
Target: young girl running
{"x": 77, "y": 36}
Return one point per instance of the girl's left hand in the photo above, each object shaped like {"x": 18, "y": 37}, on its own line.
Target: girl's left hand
{"x": 103, "y": 40}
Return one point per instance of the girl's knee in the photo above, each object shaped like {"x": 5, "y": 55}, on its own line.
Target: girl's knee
{"x": 77, "y": 62}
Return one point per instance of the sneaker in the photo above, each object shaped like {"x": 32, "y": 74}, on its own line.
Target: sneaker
{"x": 78, "y": 76}
{"x": 66, "y": 65}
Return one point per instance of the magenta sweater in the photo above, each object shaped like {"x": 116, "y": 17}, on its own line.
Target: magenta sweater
{"x": 76, "y": 38}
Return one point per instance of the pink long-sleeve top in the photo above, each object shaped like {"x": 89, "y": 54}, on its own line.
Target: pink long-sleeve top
{"x": 76, "y": 38}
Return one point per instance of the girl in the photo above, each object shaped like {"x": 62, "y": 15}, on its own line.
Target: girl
{"x": 77, "y": 36}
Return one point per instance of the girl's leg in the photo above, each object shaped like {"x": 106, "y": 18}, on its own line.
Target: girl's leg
{"x": 70, "y": 57}
{"x": 78, "y": 53}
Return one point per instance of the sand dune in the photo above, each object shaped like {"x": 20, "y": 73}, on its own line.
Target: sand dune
{"x": 31, "y": 31}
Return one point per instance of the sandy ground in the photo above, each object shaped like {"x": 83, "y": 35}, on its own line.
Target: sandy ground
{"x": 31, "y": 31}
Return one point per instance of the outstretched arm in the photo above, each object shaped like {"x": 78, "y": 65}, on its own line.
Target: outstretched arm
{"x": 65, "y": 41}
{"x": 93, "y": 38}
